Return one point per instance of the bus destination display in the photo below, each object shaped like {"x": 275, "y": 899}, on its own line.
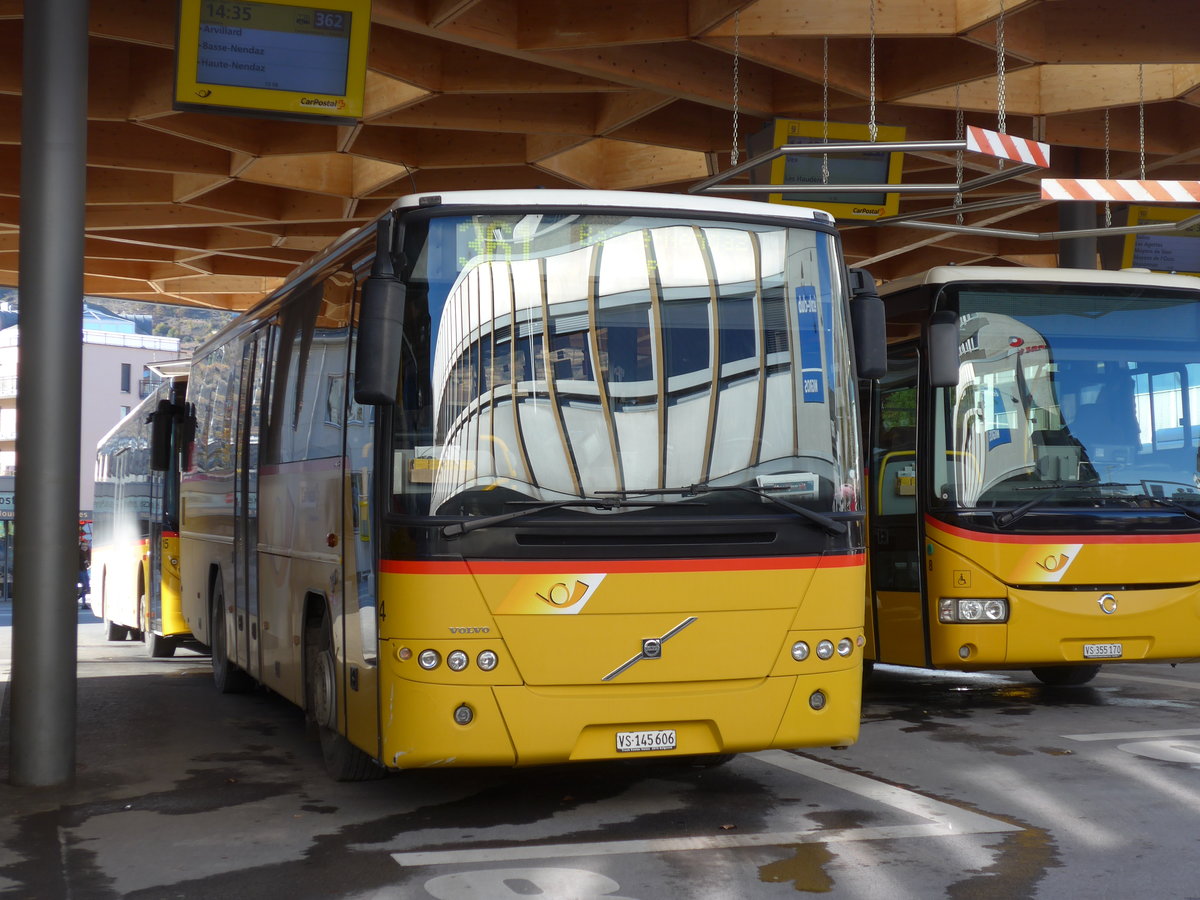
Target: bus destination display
{"x": 274, "y": 57}
{"x": 262, "y": 45}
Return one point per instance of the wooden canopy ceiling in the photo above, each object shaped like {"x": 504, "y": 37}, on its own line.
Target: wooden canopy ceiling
{"x": 212, "y": 210}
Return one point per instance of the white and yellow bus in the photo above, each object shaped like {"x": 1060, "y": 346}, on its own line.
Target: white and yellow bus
{"x": 1034, "y": 490}
{"x": 521, "y": 477}
{"x": 135, "y": 527}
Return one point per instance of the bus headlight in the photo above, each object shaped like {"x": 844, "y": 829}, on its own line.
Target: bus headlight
{"x": 799, "y": 651}
{"x": 456, "y": 660}
{"x": 487, "y": 660}
{"x": 951, "y": 610}
{"x": 824, "y": 649}
{"x": 429, "y": 659}
{"x": 845, "y": 647}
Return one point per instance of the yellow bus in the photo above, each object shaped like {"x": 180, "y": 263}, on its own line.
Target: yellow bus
{"x": 511, "y": 478}
{"x": 1033, "y": 489}
{"x": 135, "y": 527}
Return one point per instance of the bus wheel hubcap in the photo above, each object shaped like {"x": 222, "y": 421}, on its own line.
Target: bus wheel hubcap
{"x": 323, "y": 690}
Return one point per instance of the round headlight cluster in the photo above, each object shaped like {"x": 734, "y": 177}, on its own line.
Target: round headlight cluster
{"x": 825, "y": 649}
{"x": 953, "y": 610}
{"x": 456, "y": 660}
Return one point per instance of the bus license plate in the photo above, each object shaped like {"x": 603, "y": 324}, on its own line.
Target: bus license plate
{"x": 637, "y": 741}
{"x": 1102, "y": 651}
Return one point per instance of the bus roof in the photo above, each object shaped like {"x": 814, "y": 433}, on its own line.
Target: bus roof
{"x": 949, "y": 274}
{"x": 625, "y": 199}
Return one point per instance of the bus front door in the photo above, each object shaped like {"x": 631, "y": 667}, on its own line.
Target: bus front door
{"x": 245, "y": 530}
{"x": 895, "y": 553}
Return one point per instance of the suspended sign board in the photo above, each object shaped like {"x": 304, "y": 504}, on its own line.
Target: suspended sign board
{"x": 1161, "y": 252}
{"x": 282, "y": 59}
{"x": 861, "y": 168}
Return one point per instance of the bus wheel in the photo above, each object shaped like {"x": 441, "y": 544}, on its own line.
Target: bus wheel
{"x": 343, "y": 761}
{"x": 228, "y": 678}
{"x": 114, "y": 632}
{"x": 1065, "y": 676}
{"x": 159, "y": 647}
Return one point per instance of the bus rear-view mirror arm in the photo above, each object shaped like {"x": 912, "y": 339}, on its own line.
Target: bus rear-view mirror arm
{"x": 942, "y": 340}
{"x": 868, "y": 321}
{"x": 380, "y": 324}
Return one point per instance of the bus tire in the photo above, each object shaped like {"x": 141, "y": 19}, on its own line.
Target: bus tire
{"x": 228, "y": 678}
{"x": 159, "y": 647}
{"x": 343, "y": 761}
{"x": 1065, "y": 676}
{"x": 114, "y": 632}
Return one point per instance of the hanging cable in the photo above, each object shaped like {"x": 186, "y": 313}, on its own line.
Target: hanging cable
{"x": 1000, "y": 86}
{"x": 1107, "y": 171}
{"x": 1141, "y": 123}
{"x": 825, "y": 107}
{"x": 958, "y": 155}
{"x": 871, "y": 127}
{"x": 733, "y": 155}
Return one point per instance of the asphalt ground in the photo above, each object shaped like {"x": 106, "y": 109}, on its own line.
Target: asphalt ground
{"x": 961, "y": 786}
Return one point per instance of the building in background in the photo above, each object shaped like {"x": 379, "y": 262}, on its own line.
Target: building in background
{"x": 117, "y": 351}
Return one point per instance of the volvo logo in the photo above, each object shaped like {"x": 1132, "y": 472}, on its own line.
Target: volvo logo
{"x": 1108, "y": 603}
{"x": 651, "y": 649}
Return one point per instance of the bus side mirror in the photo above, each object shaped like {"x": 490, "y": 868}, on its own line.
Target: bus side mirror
{"x": 161, "y": 421}
{"x": 868, "y": 323}
{"x": 942, "y": 344}
{"x": 380, "y": 326}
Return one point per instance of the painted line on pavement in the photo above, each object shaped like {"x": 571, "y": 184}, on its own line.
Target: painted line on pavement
{"x": 1133, "y": 735}
{"x": 941, "y": 820}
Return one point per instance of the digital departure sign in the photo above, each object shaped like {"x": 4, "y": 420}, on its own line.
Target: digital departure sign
{"x": 865, "y": 167}
{"x": 278, "y": 59}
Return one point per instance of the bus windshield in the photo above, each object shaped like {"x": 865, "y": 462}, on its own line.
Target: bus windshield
{"x": 1070, "y": 395}
{"x": 567, "y": 355}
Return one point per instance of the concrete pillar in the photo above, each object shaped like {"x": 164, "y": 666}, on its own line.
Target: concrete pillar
{"x": 46, "y": 550}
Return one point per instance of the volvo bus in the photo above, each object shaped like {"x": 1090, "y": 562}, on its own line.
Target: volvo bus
{"x": 510, "y": 478}
{"x": 135, "y": 527}
{"x": 1033, "y": 490}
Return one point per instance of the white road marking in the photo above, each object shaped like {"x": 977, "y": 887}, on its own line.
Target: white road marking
{"x": 1150, "y": 679}
{"x": 1133, "y": 735}
{"x": 941, "y": 820}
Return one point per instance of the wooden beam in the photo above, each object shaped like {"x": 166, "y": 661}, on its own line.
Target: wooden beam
{"x": 558, "y": 26}
{"x": 428, "y": 148}
{"x": 129, "y": 146}
{"x": 509, "y": 114}
{"x": 900, "y": 18}
{"x": 1101, "y": 32}
{"x": 134, "y": 21}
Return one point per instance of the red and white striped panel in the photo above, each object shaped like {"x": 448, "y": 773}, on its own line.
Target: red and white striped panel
{"x": 1124, "y": 190}
{"x": 1006, "y": 146}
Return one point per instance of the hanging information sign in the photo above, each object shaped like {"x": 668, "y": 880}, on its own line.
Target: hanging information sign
{"x": 281, "y": 59}
{"x": 1159, "y": 252}
{"x": 871, "y": 167}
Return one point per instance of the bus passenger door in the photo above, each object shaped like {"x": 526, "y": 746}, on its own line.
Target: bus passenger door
{"x": 359, "y": 562}
{"x": 245, "y": 528}
{"x": 894, "y": 521}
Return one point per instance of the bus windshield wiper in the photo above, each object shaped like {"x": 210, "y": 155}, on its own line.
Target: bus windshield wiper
{"x": 1172, "y": 505}
{"x": 537, "y": 506}
{"x": 832, "y": 526}
{"x": 1006, "y": 518}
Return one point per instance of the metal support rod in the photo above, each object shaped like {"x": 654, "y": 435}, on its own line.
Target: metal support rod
{"x": 53, "y": 177}
{"x": 976, "y": 206}
{"x": 987, "y": 231}
{"x": 830, "y": 189}
{"x": 832, "y": 147}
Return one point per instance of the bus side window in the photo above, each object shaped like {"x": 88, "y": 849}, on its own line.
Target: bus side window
{"x": 895, "y": 439}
